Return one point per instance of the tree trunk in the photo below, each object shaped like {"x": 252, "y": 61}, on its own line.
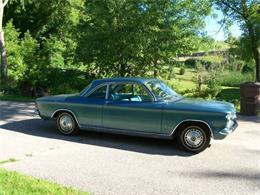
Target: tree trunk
{"x": 256, "y": 52}
{"x": 122, "y": 70}
{"x": 155, "y": 69}
{"x": 255, "y": 49}
{"x": 3, "y": 60}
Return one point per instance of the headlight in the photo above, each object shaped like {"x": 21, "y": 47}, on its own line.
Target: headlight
{"x": 231, "y": 116}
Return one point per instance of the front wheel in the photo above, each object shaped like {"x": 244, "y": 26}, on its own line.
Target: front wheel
{"x": 66, "y": 124}
{"x": 194, "y": 138}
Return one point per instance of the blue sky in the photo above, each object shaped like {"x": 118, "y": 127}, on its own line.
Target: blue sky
{"x": 213, "y": 28}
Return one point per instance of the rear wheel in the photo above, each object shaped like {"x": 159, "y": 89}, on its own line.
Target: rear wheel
{"x": 66, "y": 123}
{"x": 194, "y": 138}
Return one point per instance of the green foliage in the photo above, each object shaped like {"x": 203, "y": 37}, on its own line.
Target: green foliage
{"x": 40, "y": 39}
{"x": 60, "y": 46}
{"x": 245, "y": 13}
{"x": 65, "y": 81}
{"x": 171, "y": 73}
{"x": 16, "y": 66}
{"x": 206, "y": 43}
{"x": 22, "y": 55}
{"x": 191, "y": 63}
{"x": 230, "y": 94}
{"x": 131, "y": 37}
{"x": 182, "y": 71}
{"x": 233, "y": 78}
{"x": 53, "y": 50}
{"x": 213, "y": 88}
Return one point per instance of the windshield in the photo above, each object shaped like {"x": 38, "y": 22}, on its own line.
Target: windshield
{"x": 162, "y": 91}
{"x": 85, "y": 89}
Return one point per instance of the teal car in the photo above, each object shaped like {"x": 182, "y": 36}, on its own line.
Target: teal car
{"x": 140, "y": 107}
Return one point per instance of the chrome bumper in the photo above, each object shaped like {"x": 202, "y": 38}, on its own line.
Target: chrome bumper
{"x": 229, "y": 130}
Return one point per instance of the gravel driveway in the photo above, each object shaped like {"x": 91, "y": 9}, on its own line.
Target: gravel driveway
{"x": 112, "y": 164}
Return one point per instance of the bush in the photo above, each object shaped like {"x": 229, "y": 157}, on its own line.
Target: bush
{"x": 213, "y": 88}
{"x": 190, "y": 63}
{"x": 247, "y": 68}
{"x": 182, "y": 71}
{"x": 233, "y": 78}
{"x": 171, "y": 73}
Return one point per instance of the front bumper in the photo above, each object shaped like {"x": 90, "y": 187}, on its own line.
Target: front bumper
{"x": 36, "y": 111}
{"x": 218, "y": 135}
{"x": 230, "y": 129}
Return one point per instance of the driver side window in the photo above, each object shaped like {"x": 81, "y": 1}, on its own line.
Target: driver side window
{"x": 130, "y": 92}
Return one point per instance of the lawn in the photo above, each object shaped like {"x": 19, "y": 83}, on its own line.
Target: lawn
{"x": 17, "y": 98}
{"x": 187, "y": 81}
{"x": 18, "y": 184}
{"x": 183, "y": 82}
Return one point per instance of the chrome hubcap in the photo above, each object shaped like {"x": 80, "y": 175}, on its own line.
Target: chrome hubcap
{"x": 66, "y": 123}
{"x": 194, "y": 138}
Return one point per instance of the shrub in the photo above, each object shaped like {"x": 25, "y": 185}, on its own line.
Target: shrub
{"x": 213, "y": 88}
{"x": 182, "y": 71}
{"x": 171, "y": 73}
{"x": 190, "y": 63}
{"x": 247, "y": 68}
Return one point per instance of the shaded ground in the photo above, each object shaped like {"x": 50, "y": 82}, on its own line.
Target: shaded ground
{"x": 112, "y": 164}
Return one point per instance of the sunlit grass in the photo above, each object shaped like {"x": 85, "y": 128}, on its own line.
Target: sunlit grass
{"x": 18, "y": 184}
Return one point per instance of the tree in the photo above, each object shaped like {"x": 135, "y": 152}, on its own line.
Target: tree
{"x": 40, "y": 42}
{"x": 3, "y": 68}
{"x": 247, "y": 13}
{"x": 132, "y": 37}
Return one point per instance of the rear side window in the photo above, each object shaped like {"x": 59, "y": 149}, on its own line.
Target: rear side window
{"x": 99, "y": 93}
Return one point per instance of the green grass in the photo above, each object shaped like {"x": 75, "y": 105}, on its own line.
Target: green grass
{"x": 187, "y": 82}
{"x": 16, "y": 98}
{"x": 189, "y": 74}
{"x": 15, "y": 183}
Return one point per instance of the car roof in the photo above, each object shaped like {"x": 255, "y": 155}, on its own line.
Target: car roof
{"x": 123, "y": 79}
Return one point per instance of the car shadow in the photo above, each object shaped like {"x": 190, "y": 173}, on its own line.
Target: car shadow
{"x": 47, "y": 129}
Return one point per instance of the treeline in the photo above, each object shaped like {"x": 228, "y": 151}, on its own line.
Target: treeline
{"x": 59, "y": 46}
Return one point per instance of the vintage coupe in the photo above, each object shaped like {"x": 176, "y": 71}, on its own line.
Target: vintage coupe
{"x": 140, "y": 107}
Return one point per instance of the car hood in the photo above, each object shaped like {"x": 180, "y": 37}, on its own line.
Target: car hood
{"x": 55, "y": 98}
{"x": 201, "y": 105}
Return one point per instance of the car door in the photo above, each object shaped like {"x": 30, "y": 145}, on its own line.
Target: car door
{"x": 131, "y": 107}
{"x": 91, "y": 106}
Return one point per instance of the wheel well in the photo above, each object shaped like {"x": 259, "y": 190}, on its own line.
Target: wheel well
{"x": 202, "y": 124}
{"x": 58, "y": 112}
